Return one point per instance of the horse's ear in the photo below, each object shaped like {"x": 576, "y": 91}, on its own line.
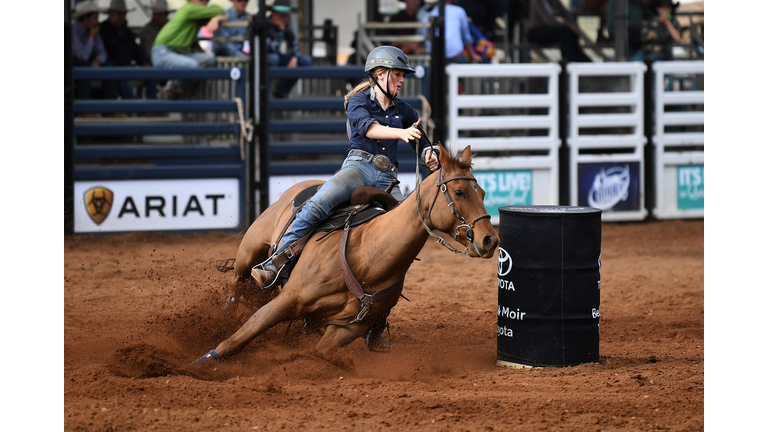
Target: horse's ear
{"x": 466, "y": 155}
{"x": 444, "y": 157}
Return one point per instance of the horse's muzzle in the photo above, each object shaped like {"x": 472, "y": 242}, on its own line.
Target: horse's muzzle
{"x": 483, "y": 247}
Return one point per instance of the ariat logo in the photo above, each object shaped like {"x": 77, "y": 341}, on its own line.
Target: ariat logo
{"x": 98, "y": 203}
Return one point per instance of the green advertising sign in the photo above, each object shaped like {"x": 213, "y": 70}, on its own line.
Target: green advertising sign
{"x": 504, "y": 188}
{"x": 690, "y": 187}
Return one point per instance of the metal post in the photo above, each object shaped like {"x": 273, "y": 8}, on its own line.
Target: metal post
{"x": 564, "y": 154}
{"x": 621, "y": 30}
{"x": 438, "y": 83}
{"x": 69, "y": 125}
{"x": 649, "y": 150}
{"x": 260, "y": 172}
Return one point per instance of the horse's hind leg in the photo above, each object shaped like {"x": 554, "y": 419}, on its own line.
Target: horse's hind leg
{"x": 280, "y": 309}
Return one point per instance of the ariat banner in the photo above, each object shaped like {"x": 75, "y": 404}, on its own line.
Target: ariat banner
{"x": 156, "y": 205}
{"x": 98, "y": 203}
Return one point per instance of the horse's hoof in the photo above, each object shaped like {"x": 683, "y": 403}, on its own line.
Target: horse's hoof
{"x": 375, "y": 342}
{"x": 207, "y": 358}
{"x": 230, "y": 301}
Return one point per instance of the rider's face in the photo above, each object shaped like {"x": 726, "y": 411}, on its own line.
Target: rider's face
{"x": 396, "y": 79}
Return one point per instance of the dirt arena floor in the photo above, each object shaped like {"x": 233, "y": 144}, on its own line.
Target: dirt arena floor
{"x": 139, "y": 308}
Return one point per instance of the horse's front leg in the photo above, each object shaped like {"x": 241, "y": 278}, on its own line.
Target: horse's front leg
{"x": 280, "y": 309}
{"x": 338, "y": 337}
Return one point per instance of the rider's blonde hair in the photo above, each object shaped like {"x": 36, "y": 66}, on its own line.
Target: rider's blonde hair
{"x": 365, "y": 85}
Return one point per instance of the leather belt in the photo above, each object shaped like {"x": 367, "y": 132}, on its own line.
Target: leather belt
{"x": 381, "y": 162}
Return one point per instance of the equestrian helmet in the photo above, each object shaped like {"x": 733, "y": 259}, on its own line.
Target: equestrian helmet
{"x": 389, "y": 57}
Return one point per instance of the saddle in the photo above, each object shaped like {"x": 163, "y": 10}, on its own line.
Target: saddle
{"x": 365, "y": 204}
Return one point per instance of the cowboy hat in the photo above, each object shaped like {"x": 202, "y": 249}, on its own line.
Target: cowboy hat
{"x": 161, "y": 6}
{"x": 84, "y": 8}
{"x": 118, "y": 6}
{"x": 281, "y": 6}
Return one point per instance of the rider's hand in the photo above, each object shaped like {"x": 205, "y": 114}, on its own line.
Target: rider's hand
{"x": 431, "y": 157}
{"x": 411, "y": 133}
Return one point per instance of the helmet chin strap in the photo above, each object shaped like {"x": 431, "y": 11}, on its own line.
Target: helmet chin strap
{"x": 386, "y": 92}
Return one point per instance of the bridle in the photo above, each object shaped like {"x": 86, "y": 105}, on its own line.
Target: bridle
{"x": 441, "y": 187}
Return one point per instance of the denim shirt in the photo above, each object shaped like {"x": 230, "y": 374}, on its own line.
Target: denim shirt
{"x": 457, "y": 33}
{"x": 231, "y": 48}
{"x": 83, "y": 47}
{"x": 363, "y": 110}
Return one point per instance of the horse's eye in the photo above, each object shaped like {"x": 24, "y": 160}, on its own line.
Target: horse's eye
{"x": 459, "y": 193}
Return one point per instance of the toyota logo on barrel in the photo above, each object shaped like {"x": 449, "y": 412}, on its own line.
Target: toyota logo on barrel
{"x": 505, "y": 262}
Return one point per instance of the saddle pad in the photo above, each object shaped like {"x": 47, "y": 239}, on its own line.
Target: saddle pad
{"x": 304, "y": 195}
{"x": 337, "y": 220}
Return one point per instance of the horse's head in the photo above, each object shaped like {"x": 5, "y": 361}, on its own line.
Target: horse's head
{"x": 463, "y": 215}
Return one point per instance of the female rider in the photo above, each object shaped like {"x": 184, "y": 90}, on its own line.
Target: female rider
{"x": 377, "y": 122}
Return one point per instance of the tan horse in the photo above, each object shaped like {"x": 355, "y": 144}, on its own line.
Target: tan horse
{"x": 379, "y": 254}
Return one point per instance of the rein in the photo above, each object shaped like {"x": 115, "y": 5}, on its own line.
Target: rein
{"x": 441, "y": 187}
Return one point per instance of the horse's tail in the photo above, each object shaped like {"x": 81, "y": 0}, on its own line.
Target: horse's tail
{"x": 225, "y": 265}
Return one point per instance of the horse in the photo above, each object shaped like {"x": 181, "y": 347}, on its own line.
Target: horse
{"x": 378, "y": 252}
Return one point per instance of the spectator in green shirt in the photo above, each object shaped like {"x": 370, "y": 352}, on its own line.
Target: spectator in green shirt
{"x": 172, "y": 48}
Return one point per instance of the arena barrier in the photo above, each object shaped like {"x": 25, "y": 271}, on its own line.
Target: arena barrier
{"x": 513, "y": 167}
{"x": 296, "y": 158}
{"x": 678, "y": 154}
{"x": 606, "y": 139}
{"x": 161, "y": 187}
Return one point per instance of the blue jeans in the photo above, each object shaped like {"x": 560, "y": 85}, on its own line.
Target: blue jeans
{"x": 284, "y": 86}
{"x": 355, "y": 172}
{"x": 166, "y": 58}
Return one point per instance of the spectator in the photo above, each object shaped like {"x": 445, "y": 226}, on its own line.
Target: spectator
{"x": 122, "y": 49}
{"x": 637, "y": 14}
{"x": 87, "y": 47}
{"x": 661, "y": 32}
{"x": 149, "y": 32}
{"x": 486, "y": 15}
{"x": 409, "y": 14}
{"x": 458, "y": 39}
{"x": 598, "y": 7}
{"x": 544, "y": 28}
{"x": 283, "y": 46}
{"x": 174, "y": 45}
{"x": 233, "y": 49}
{"x": 147, "y": 36}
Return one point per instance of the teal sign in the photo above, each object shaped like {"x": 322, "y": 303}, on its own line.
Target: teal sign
{"x": 505, "y": 188}
{"x": 690, "y": 187}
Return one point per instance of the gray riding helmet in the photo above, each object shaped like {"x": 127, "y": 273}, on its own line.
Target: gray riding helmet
{"x": 389, "y": 57}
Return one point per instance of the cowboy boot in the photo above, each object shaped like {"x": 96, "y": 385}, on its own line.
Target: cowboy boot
{"x": 263, "y": 277}
{"x": 374, "y": 337}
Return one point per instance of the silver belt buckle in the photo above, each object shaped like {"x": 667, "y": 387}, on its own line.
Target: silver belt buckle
{"x": 382, "y": 163}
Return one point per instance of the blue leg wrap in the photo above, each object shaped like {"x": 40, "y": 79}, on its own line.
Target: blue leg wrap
{"x": 207, "y": 358}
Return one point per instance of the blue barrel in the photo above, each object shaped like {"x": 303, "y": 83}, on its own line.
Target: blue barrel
{"x": 549, "y": 286}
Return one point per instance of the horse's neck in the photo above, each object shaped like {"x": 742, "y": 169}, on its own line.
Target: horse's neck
{"x": 400, "y": 231}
